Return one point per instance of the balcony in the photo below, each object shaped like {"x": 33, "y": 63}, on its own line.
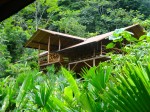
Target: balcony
{"x": 51, "y": 58}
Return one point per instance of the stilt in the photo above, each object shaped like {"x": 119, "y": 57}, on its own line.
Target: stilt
{"x": 59, "y": 44}
{"x": 48, "y": 58}
{"x": 74, "y": 66}
{"x": 101, "y": 49}
{"x": 68, "y": 66}
{"x": 93, "y": 62}
{"x": 87, "y": 64}
{"x": 39, "y": 54}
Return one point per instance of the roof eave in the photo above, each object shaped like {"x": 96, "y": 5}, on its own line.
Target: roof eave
{"x": 12, "y": 6}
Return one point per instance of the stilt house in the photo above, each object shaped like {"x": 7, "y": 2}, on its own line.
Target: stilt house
{"x": 72, "y": 51}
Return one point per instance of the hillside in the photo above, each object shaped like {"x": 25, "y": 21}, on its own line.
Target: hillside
{"x": 121, "y": 84}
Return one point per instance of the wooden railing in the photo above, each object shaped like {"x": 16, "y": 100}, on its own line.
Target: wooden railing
{"x": 51, "y": 58}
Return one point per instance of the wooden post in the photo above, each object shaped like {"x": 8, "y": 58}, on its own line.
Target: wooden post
{"x": 39, "y": 54}
{"x": 48, "y": 58}
{"x": 94, "y": 52}
{"x": 68, "y": 66}
{"x": 74, "y": 66}
{"x": 59, "y": 44}
{"x": 87, "y": 64}
{"x": 93, "y": 62}
{"x": 101, "y": 49}
{"x": 59, "y": 48}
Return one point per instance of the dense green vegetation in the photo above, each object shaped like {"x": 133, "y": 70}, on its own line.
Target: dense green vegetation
{"x": 122, "y": 84}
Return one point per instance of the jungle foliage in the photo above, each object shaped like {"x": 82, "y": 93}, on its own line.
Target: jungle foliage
{"x": 121, "y": 84}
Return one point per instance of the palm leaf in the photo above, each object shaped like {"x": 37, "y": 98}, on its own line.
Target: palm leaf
{"x": 131, "y": 92}
{"x": 87, "y": 102}
{"x": 97, "y": 76}
{"x": 23, "y": 90}
{"x": 5, "y": 103}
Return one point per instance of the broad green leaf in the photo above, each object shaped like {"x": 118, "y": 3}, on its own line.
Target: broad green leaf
{"x": 68, "y": 93}
{"x": 110, "y": 45}
{"x": 72, "y": 82}
{"x": 60, "y": 104}
{"x": 87, "y": 102}
{"x": 142, "y": 37}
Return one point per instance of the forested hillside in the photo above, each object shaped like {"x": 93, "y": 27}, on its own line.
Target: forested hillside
{"x": 84, "y": 18}
{"x": 24, "y": 88}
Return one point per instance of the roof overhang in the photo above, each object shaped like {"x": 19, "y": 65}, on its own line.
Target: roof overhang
{"x": 10, "y": 7}
{"x": 41, "y": 37}
{"x": 89, "y": 44}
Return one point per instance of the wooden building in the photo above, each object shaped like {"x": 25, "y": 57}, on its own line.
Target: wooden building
{"x": 72, "y": 51}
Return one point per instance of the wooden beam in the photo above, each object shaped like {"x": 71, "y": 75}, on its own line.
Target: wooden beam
{"x": 87, "y": 64}
{"x": 49, "y": 43}
{"x": 68, "y": 66}
{"x": 60, "y": 63}
{"x": 44, "y": 44}
{"x": 101, "y": 48}
{"x": 74, "y": 66}
{"x": 97, "y": 57}
{"x": 59, "y": 44}
{"x": 39, "y": 54}
{"x": 93, "y": 62}
{"x": 59, "y": 58}
{"x": 94, "y": 52}
{"x": 46, "y": 64}
{"x": 36, "y": 45}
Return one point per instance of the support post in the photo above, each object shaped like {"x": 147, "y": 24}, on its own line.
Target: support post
{"x": 101, "y": 49}
{"x": 94, "y": 52}
{"x": 39, "y": 54}
{"x": 74, "y": 66}
{"x": 48, "y": 58}
{"x": 59, "y": 44}
{"x": 87, "y": 64}
{"x": 93, "y": 62}
{"x": 68, "y": 66}
{"x": 60, "y": 63}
